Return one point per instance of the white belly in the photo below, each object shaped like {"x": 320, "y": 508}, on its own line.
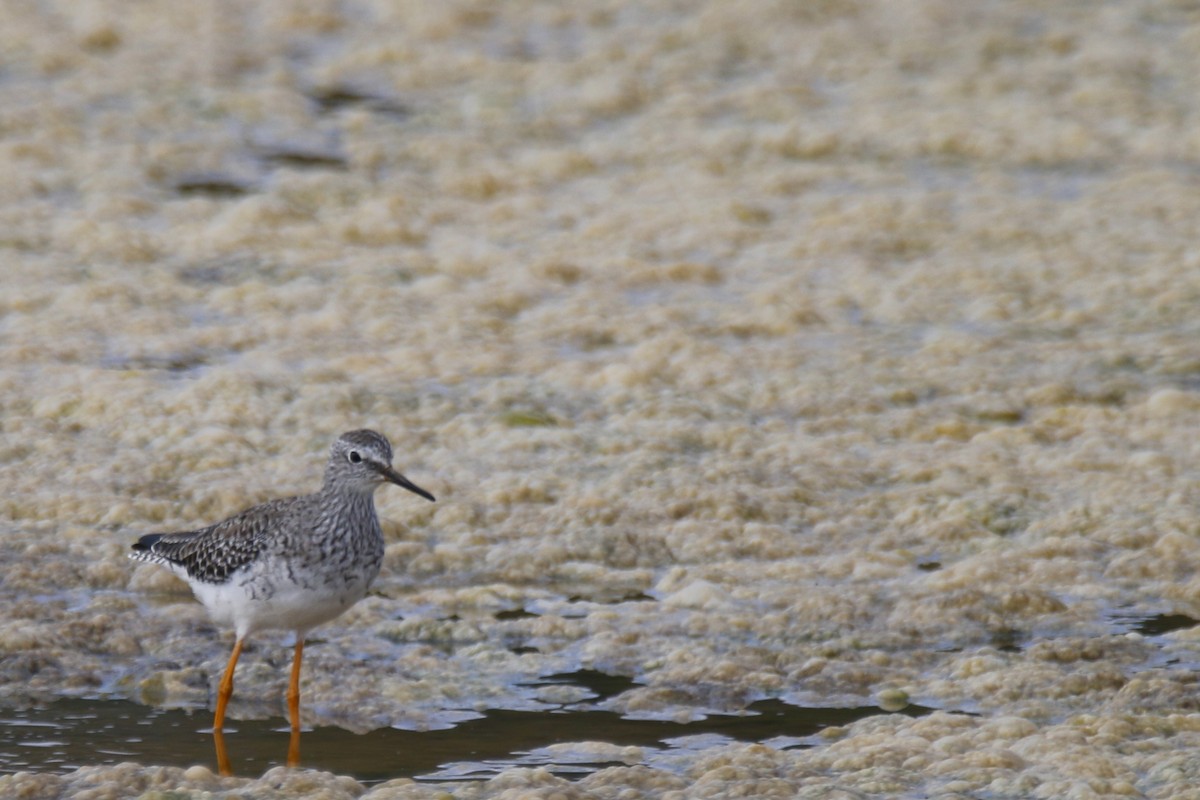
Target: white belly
{"x": 248, "y": 604}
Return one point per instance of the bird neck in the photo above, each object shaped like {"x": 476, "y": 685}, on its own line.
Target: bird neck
{"x": 352, "y": 493}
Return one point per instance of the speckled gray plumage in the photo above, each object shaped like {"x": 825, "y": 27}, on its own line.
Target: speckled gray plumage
{"x": 322, "y": 549}
{"x": 214, "y": 553}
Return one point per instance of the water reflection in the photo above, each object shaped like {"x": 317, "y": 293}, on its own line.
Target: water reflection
{"x": 73, "y": 733}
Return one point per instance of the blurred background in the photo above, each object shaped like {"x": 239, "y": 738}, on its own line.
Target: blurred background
{"x": 828, "y": 355}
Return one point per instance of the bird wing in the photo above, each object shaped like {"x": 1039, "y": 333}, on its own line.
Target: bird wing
{"x": 214, "y": 553}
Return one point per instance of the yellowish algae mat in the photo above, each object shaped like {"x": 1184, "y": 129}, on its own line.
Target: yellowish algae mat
{"x": 837, "y": 352}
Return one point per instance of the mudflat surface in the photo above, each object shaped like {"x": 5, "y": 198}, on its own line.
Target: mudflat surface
{"x": 837, "y": 354}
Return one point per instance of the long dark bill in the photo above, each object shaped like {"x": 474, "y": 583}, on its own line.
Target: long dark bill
{"x": 398, "y": 479}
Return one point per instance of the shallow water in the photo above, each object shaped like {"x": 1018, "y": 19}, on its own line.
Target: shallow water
{"x": 75, "y": 733}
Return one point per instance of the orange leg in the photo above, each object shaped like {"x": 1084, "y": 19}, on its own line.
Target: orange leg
{"x": 293, "y": 758}
{"x": 225, "y": 688}
{"x": 222, "y": 754}
{"x": 293, "y": 700}
{"x": 293, "y": 695}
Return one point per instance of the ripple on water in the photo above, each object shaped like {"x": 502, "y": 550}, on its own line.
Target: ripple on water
{"x": 69, "y": 734}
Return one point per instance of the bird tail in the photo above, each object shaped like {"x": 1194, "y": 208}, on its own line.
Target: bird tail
{"x": 146, "y": 543}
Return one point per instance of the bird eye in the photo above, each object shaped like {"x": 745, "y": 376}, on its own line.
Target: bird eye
{"x": 354, "y": 457}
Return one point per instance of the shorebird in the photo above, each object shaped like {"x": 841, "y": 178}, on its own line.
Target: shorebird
{"x": 288, "y": 564}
